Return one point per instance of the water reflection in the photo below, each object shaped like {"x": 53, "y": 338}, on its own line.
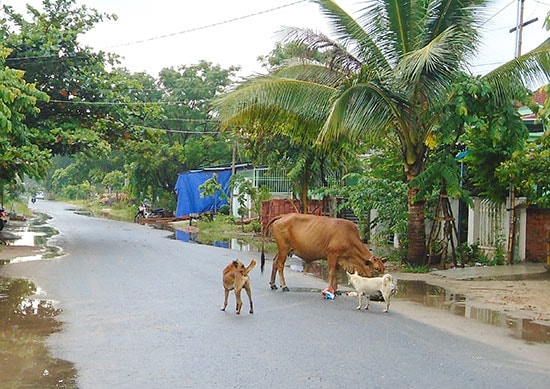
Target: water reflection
{"x": 25, "y": 323}
{"x": 233, "y": 243}
{"x": 30, "y": 235}
{"x": 437, "y": 297}
{"x": 186, "y": 236}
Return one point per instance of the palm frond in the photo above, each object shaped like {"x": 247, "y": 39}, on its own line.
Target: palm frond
{"x": 530, "y": 70}
{"x": 340, "y": 59}
{"x": 366, "y": 109}
{"x": 428, "y": 70}
{"x": 310, "y": 72}
{"x": 352, "y": 35}
{"x": 285, "y": 97}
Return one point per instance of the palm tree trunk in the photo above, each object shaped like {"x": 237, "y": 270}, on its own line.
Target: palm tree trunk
{"x": 416, "y": 254}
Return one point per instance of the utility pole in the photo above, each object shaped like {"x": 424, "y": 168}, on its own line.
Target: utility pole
{"x": 518, "y": 29}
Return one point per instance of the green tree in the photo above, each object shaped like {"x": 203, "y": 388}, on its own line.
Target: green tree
{"x": 86, "y": 107}
{"x": 20, "y": 155}
{"x": 528, "y": 168}
{"x": 391, "y": 69}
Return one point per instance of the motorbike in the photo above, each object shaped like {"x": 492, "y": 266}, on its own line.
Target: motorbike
{"x": 146, "y": 212}
{"x": 4, "y": 217}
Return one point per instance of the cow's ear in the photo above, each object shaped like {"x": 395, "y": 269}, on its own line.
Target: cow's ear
{"x": 384, "y": 260}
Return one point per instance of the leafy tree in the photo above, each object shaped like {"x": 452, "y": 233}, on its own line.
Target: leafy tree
{"x": 391, "y": 69}
{"x": 183, "y": 137}
{"x": 212, "y": 188}
{"x": 19, "y": 153}
{"x": 84, "y": 110}
{"x": 289, "y": 144}
{"x": 246, "y": 191}
{"x": 528, "y": 168}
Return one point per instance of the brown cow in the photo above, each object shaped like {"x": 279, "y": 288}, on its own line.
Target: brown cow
{"x": 313, "y": 237}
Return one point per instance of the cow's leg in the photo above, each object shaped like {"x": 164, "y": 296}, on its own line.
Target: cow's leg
{"x": 249, "y": 293}
{"x": 238, "y": 298}
{"x": 332, "y": 261}
{"x": 281, "y": 269}
{"x": 273, "y": 273}
{"x": 226, "y": 295}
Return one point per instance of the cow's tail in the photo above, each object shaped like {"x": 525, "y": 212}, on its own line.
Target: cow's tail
{"x": 264, "y": 233}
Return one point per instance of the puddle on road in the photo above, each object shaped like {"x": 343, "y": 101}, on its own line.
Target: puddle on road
{"x": 26, "y": 323}
{"x": 30, "y": 234}
{"x": 233, "y": 244}
{"x": 434, "y": 296}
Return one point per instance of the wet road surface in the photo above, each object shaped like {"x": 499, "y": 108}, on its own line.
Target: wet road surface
{"x": 140, "y": 310}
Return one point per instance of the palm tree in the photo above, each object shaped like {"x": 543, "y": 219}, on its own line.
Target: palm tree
{"x": 387, "y": 71}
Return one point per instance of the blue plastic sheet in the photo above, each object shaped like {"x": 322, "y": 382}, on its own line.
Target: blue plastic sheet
{"x": 188, "y": 193}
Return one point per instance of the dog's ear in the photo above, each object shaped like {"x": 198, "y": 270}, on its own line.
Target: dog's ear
{"x": 236, "y": 264}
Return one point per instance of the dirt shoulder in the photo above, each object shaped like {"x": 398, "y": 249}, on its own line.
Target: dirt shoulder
{"x": 528, "y": 298}
{"x": 10, "y": 252}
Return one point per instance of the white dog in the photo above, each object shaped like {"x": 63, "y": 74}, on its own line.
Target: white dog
{"x": 365, "y": 286}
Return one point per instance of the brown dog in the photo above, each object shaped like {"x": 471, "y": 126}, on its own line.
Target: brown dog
{"x": 235, "y": 277}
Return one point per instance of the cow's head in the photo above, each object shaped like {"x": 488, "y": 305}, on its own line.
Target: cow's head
{"x": 371, "y": 267}
{"x": 377, "y": 265}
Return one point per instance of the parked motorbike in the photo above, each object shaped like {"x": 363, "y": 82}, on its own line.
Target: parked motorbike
{"x": 146, "y": 212}
{"x": 4, "y": 217}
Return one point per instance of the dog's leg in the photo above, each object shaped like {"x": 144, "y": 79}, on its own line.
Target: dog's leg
{"x": 360, "y": 298}
{"x": 367, "y": 297}
{"x": 387, "y": 300}
{"x": 239, "y": 301}
{"x": 226, "y": 293}
{"x": 249, "y": 293}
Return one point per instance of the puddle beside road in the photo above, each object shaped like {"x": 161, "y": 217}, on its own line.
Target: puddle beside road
{"x": 233, "y": 244}
{"x": 32, "y": 234}
{"x": 537, "y": 331}
{"x": 26, "y": 322}
{"x": 434, "y": 296}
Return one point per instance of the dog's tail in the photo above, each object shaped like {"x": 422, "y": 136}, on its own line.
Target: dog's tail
{"x": 387, "y": 279}
{"x": 250, "y": 266}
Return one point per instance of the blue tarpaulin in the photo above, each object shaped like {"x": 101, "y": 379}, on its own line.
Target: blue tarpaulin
{"x": 189, "y": 198}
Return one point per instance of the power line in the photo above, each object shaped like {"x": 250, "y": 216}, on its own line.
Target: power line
{"x": 498, "y": 12}
{"x": 118, "y": 102}
{"x": 180, "y": 131}
{"x": 208, "y": 25}
{"x": 205, "y": 27}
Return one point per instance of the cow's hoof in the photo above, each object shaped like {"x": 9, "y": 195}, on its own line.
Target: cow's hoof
{"x": 285, "y": 289}
{"x": 274, "y": 287}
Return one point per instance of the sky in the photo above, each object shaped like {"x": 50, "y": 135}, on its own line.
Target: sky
{"x": 152, "y": 35}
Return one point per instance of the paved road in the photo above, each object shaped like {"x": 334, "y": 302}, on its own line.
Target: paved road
{"x": 143, "y": 311}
